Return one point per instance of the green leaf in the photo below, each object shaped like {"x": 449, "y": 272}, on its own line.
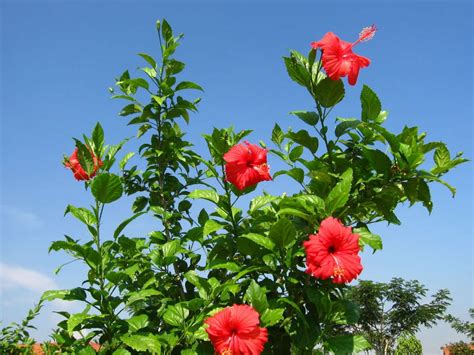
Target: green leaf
{"x": 329, "y": 92}
{"x": 424, "y": 195}
{"x": 125, "y": 159}
{"x": 85, "y": 158}
{"x": 339, "y": 195}
{"x": 211, "y": 226}
{"x": 368, "y": 238}
{"x": 122, "y": 225}
{"x": 148, "y": 343}
{"x": 260, "y": 201}
{"x": 175, "y": 315}
{"x": 295, "y": 173}
{"x": 98, "y": 138}
{"x": 166, "y": 30}
{"x": 310, "y": 118}
{"x": 442, "y": 156}
{"x": 345, "y": 126}
{"x": 184, "y": 85}
{"x": 82, "y": 214}
{"x": 137, "y": 322}
{"x": 378, "y": 160}
{"x": 54, "y": 294}
{"x": 200, "y": 283}
{"x": 75, "y": 320}
{"x": 271, "y": 317}
{"x": 261, "y": 240}
{"x": 296, "y": 153}
{"x": 297, "y": 71}
{"x": 121, "y": 352}
{"x": 302, "y": 137}
{"x": 141, "y": 295}
{"x": 107, "y": 188}
{"x": 277, "y": 134}
{"x": 347, "y": 344}
{"x": 282, "y": 233}
{"x": 371, "y": 105}
{"x": 209, "y": 195}
{"x": 257, "y": 297}
{"x": 149, "y": 59}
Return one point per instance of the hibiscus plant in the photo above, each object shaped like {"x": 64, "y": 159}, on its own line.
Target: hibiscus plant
{"x": 215, "y": 275}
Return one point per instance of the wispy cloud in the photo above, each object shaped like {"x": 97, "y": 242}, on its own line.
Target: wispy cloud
{"x": 20, "y": 217}
{"x": 13, "y": 276}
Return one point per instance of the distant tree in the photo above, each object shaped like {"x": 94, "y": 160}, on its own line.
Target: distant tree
{"x": 408, "y": 344}
{"x": 463, "y": 327}
{"x": 460, "y": 348}
{"x": 389, "y": 309}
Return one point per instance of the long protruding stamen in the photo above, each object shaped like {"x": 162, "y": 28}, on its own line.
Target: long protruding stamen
{"x": 366, "y": 34}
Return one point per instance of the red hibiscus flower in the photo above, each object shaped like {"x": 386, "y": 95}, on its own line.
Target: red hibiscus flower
{"x": 246, "y": 165}
{"x": 79, "y": 173}
{"x": 235, "y": 331}
{"x": 333, "y": 252}
{"x": 338, "y": 58}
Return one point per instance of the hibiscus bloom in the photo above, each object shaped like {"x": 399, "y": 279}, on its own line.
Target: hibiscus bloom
{"x": 235, "y": 331}
{"x": 246, "y": 165}
{"x": 79, "y": 173}
{"x": 333, "y": 252}
{"x": 338, "y": 59}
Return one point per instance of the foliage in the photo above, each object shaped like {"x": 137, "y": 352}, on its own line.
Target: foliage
{"x": 15, "y": 338}
{"x": 408, "y": 344}
{"x": 388, "y": 310}
{"x": 460, "y": 348}
{"x": 208, "y": 251}
{"x": 463, "y": 327}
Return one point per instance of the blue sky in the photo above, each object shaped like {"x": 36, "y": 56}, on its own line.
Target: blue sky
{"x": 59, "y": 58}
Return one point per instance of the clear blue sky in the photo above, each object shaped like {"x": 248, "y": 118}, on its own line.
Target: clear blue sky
{"x": 59, "y": 58}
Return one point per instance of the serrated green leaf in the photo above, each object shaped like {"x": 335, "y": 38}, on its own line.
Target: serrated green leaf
{"x": 137, "y": 322}
{"x": 257, "y": 297}
{"x": 347, "y": 344}
{"x": 345, "y": 126}
{"x": 329, "y": 92}
{"x": 282, "y": 233}
{"x": 98, "y": 138}
{"x": 378, "y": 160}
{"x": 271, "y": 317}
{"x": 122, "y": 225}
{"x": 209, "y": 195}
{"x": 107, "y": 188}
{"x": 82, "y": 214}
{"x": 339, "y": 195}
{"x": 260, "y": 239}
{"x": 211, "y": 226}
{"x": 75, "y": 320}
{"x": 308, "y": 117}
{"x": 149, "y": 59}
{"x": 85, "y": 158}
{"x": 121, "y": 352}
{"x": 303, "y": 138}
{"x": 370, "y": 103}
{"x": 125, "y": 159}
{"x": 175, "y": 315}
{"x": 184, "y": 85}
{"x": 277, "y": 134}
{"x": 141, "y": 295}
{"x": 296, "y": 152}
{"x": 138, "y": 342}
{"x": 260, "y": 201}
{"x": 368, "y": 238}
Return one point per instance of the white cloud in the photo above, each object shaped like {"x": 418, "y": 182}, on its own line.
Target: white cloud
{"x": 20, "y": 217}
{"x": 13, "y": 276}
